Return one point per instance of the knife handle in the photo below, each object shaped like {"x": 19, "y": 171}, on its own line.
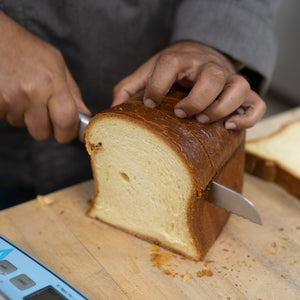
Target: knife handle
{"x": 83, "y": 122}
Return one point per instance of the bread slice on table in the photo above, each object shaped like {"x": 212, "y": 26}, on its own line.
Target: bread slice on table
{"x": 152, "y": 173}
{"x": 277, "y": 157}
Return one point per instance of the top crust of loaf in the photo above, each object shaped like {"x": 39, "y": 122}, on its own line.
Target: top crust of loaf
{"x": 218, "y": 144}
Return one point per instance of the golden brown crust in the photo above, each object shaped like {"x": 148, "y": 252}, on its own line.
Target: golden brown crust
{"x": 260, "y": 167}
{"x": 208, "y": 151}
{"x": 218, "y": 142}
{"x": 206, "y": 221}
{"x": 271, "y": 170}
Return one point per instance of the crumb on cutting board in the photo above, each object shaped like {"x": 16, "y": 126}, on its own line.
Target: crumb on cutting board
{"x": 162, "y": 260}
{"x": 45, "y": 200}
{"x": 187, "y": 276}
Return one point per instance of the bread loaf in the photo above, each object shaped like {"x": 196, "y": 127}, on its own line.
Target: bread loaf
{"x": 277, "y": 157}
{"x": 153, "y": 170}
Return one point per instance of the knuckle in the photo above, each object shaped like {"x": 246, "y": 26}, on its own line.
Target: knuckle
{"x": 250, "y": 120}
{"x": 257, "y": 103}
{"x": 242, "y": 83}
{"x": 122, "y": 85}
{"x": 64, "y": 123}
{"x": 154, "y": 89}
{"x": 261, "y": 106}
{"x": 44, "y": 81}
{"x": 65, "y": 120}
{"x": 56, "y": 53}
{"x": 218, "y": 73}
{"x": 215, "y": 71}
{"x": 47, "y": 77}
{"x": 169, "y": 59}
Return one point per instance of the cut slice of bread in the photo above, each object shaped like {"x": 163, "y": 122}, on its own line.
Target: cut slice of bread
{"x": 277, "y": 157}
{"x": 152, "y": 172}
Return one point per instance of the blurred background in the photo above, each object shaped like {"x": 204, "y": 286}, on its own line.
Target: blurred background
{"x": 284, "y": 90}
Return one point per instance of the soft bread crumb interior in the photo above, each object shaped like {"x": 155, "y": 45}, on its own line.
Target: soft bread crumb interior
{"x": 143, "y": 185}
{"x": 283, "y": 147}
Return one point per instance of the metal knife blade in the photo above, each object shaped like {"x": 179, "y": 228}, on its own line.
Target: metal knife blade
{"x": 83, "y": 122}
{"x": 233, "y": 201}
{"x": 219, "y": 195}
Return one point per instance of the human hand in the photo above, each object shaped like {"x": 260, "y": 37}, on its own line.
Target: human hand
{"x": 36, "y": 87}
{"x": 217, "y": 91}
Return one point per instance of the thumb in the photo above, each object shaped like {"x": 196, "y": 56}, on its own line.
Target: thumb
{"x": 76, "y": 94}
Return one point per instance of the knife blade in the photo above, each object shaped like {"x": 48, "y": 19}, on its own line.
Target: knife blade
{"x": 219, "y": 194}
{"x": 233, "y": 201}
{"x": 83, "y": 122}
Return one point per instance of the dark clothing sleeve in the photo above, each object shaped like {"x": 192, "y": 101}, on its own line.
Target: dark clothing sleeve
{"x": 241, "y": 29}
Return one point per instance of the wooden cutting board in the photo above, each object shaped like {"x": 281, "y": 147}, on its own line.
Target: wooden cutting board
{"x": 247, "y": 261}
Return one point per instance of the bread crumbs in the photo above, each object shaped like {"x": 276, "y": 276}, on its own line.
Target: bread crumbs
{"x": 200, "y": 274}
{"x": 160, "y": 259}
{"x": 170, "y": 271}
{"x": 208, "y": 272}
{"x": 45, "y": 200}
{"x": 187, "y": 276}
{"x": 153, "y": 247}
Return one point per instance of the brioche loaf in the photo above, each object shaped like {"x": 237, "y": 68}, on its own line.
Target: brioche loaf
{"x": 153, "y": 170}
{"x": 277, "y": 157}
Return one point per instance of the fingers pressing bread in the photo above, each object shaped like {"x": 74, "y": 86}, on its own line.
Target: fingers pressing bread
{"x": 217, "y": 91}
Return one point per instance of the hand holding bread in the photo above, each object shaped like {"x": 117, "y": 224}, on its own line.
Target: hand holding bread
{"x": 217, "y": 90}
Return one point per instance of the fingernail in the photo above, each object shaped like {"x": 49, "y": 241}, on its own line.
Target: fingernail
{"x": 179, "y": 113}
{"x": 118, "y": 100}
{"x": 202, "y": 118}
{"x": 230, "y": 125}
{"x": 149, "y": 103}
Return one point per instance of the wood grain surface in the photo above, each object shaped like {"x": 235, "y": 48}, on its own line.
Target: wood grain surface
{"x": 247, "y": 261}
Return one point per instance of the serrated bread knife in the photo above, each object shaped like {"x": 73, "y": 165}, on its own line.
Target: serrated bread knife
{"x": 219, "y": 194}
